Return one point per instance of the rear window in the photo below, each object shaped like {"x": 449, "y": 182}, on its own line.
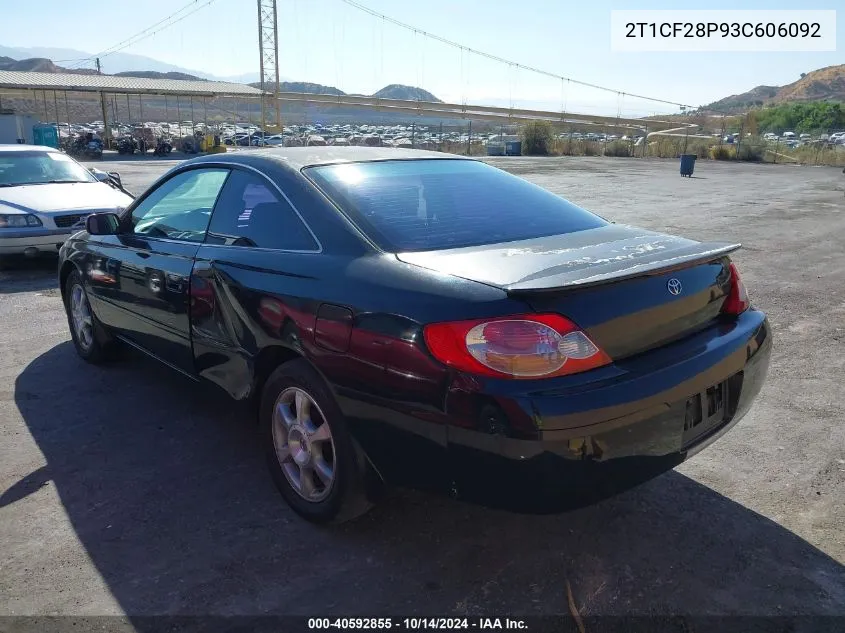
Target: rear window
{"x": 433, "y": 204}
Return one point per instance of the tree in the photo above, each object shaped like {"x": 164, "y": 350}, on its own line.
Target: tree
{"x": 536, "y": 138}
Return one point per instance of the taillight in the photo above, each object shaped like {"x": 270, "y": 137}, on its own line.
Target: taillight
{"x": 737, "y": 301}
{"x": 522, "y": 346}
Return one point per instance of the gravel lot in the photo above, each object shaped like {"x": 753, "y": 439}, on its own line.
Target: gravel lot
{"x": 128, "y": 489}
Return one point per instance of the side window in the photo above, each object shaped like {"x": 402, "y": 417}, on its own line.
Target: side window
{"x": 181, "y": 207}
{"x": 250, "y": 212}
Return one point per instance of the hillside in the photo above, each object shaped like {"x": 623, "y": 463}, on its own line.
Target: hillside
{"x": 44, "y": 65}
{"x": 393, "y": 91}
{"x": 40, "y": 65}
{"x": 83, "y": 108}
{"x": 409, "y": 93}
{"x": 824, "y": 84}
{"x": 303, "y": 87}
{"x": 154, "y": 74}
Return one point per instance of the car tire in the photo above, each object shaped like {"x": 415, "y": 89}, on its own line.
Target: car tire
{"x": 314, "y": 461}
{"x": 93, "y": 343}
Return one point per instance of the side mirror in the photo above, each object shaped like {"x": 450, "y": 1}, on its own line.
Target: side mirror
{"x": 99, "y": 174}
{"x": 102, "y": 224}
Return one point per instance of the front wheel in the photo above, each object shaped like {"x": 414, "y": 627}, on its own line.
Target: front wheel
{"x": 312, "y": 457}
{"x": 90, "y": 339}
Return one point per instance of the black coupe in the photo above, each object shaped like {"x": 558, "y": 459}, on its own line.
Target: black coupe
{"x": 423, "y": 319}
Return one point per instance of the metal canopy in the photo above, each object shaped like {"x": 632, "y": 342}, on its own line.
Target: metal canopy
{"x": 16, "y": 80}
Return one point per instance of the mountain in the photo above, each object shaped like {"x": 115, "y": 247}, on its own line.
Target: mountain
{"x": 393, "y": 91}
{"x": 113, "y": 63}
{"x": 152, "y": 74}
{"x": 824, "y": 84}
{"x": 408, "y": 93}
{"x": 40, "y": 65}
{"x": 303, "y": 87}
{"x": 126, "y": 65}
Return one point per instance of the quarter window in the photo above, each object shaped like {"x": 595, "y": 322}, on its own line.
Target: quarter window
{"x": 181, "y": 207}
{"x": 250, "y": 212}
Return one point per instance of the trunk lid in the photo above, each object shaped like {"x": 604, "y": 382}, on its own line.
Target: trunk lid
{"x": 630, "y": 289}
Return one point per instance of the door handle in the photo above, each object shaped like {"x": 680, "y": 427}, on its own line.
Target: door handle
{"x": 142, "y": 254}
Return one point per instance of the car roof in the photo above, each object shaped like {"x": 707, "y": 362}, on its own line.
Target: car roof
{"x": 297, "y": 158}
{"x": 17, "y": 147}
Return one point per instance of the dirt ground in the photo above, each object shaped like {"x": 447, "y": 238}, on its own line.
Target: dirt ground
{"x": 128, "y": 489}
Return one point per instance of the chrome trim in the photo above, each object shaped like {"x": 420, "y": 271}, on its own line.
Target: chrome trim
{"x": 284, "y": 195}
{"x": 37, "y": 231}
{"x": 212, "y": 164}
{"x": 260, "y": 248}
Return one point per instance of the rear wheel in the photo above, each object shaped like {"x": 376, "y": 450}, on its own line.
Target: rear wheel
{"x": 312, "y": 457}
{"x": 92, "y": 342}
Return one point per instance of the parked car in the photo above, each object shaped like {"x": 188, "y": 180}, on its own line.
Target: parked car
{"x": 423, "y": 319}
{"x": 45, "y": 195}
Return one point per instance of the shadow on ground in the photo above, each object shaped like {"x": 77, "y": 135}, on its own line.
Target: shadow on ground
{"x": 166, "y": 488}
{"x": 24, "y": 274}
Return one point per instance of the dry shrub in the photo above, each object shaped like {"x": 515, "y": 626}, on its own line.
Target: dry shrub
{"x": 722, "y": 153}
{"x": 618, "y": 148}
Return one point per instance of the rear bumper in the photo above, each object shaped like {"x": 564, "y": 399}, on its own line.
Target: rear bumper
{"x": 16, "y": 242}
{"x": 553, "y": 449}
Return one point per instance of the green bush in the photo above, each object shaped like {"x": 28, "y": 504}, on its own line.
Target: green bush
{"x": 537, "y": 138}
{"x": 802, "y": 117}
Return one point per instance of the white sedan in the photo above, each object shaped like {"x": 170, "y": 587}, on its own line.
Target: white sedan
{"x": 45, "y": 196}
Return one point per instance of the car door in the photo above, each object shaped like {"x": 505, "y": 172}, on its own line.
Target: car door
{"x": 150, "y": 300}
{"x": 256, "y": 270}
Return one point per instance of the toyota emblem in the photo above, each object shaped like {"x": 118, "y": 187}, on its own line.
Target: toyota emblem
{"x": 674, "y": 286}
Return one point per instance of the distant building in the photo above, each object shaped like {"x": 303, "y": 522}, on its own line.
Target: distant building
{"x": 15, "y": 128}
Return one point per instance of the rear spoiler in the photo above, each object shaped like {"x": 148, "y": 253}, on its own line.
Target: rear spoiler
{"x": 613, "y": 271}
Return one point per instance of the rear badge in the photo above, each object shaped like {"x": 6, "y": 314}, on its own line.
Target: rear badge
{"x": 674, "y": 286}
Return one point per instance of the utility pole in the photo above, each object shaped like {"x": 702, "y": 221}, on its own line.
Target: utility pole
{"x": 469, "y": 139}
{"x": 106, "y": 126}
{"x": 268, "y": 57}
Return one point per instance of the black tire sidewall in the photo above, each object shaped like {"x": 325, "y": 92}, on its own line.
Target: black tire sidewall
{"x": 345, "y": 496}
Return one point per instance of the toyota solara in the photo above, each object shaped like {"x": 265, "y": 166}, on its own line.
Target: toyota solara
{"x": 424, "y": 320}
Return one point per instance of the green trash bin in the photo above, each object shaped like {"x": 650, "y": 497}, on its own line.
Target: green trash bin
{"x": 45, "y": 135}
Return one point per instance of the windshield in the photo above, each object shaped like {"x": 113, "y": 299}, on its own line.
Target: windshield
{"x": 38, "y": 167}
{"x": 433, "y": 204}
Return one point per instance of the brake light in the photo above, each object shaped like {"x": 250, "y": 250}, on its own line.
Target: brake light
{"x": 737, "y": 301}
{"x": 522, "y": 346}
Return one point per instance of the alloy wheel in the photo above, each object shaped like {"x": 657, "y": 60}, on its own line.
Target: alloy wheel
{"x": 304, "y": 444}
{"x": 80, "y": 311}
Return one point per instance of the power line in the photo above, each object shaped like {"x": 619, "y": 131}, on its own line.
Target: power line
{"x": 143, "y": 34}
{"x": 502, "y": 60}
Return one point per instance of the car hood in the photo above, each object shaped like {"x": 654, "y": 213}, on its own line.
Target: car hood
{"x": 583, "y": 258}
{"x": 61, "y": 197}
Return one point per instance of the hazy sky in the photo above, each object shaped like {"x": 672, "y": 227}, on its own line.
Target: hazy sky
{"x": 329, "y": 42}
